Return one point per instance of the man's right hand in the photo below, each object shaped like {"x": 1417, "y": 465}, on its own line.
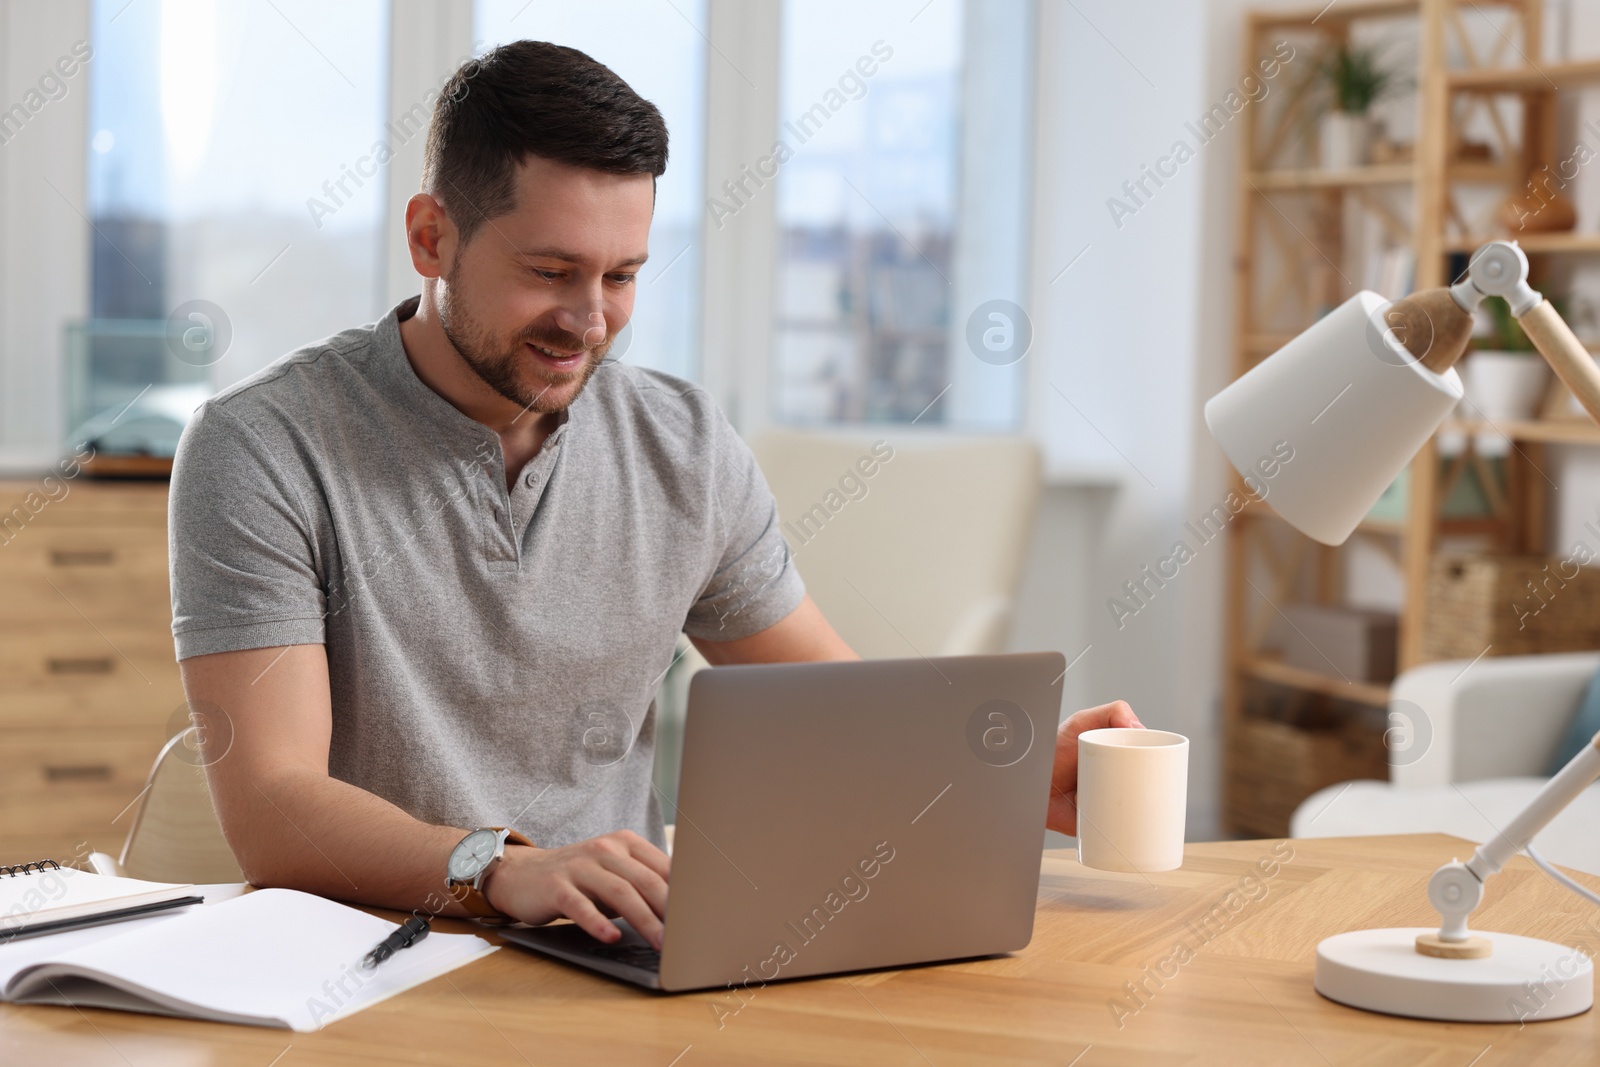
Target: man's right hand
{"x": 589, "y": 882}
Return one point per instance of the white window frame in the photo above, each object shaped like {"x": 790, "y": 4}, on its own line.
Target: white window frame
{"x": 428, "y": 40}
{"x": 739, "y": 258}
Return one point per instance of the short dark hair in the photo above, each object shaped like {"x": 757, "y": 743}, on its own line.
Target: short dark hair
{"x": 533, "y": 98}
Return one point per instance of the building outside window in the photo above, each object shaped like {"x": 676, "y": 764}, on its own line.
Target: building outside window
{"x": 875, "y": 249}
{"x": 236, "y": 202}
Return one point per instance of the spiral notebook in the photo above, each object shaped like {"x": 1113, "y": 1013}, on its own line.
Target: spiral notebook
{"x": 272, "y": 957}
{"x": 43, "y": 897}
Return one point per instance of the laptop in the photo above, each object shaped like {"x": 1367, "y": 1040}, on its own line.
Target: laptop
{"x": 837, "y": 817}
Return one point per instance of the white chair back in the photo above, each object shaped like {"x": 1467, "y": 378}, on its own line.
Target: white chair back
{"x": 175, "y": 835}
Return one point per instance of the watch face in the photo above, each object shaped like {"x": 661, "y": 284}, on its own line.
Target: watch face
{"x": 472, "y": 855}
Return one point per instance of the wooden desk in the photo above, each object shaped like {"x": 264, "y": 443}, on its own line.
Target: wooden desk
{"x": 1244, "y": 998}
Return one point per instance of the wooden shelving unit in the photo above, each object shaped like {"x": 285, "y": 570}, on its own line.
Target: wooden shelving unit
{"x": 1267, "y": 670}
{"x": 1533, "y": 243}
{"x": 1291, "y": 265}
{"x": 1543, "y": 431}
{"x": 1525, "y": 79}
{"x": 1375, "y": 174}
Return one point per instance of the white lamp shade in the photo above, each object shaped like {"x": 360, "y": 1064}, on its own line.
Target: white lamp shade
{"x": 1346, "y": 404}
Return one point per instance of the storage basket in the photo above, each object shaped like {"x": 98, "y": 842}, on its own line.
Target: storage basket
{"x": 1509, "y": 605}
{"x": 1272, "y": 766}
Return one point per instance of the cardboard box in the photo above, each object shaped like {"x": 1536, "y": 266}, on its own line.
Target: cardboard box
{"x": 1341, "y": 642}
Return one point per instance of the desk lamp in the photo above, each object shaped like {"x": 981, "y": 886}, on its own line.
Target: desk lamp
{"x": 1355, "y": 396}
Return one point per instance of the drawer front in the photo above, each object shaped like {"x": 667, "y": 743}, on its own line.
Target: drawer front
{"x": 84, "y": 656}
{"x": 78, "y": 502}
{"x": 65, "y": 674}
{"x": 109, "y": 573}
{"x": 73, "y": 788}
{"x": 91, "y": 551}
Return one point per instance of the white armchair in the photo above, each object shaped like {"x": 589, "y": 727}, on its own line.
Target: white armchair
{"x": 925, "y": 556}
{"x": 1471, "y": 747}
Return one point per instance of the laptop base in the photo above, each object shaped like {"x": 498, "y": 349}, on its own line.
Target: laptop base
{"x": 630, "y": 959}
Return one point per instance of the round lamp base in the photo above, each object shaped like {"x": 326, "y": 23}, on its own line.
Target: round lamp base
{"x": 1521, "y": 980}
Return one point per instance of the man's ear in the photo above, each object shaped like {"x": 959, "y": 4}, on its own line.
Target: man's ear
{"x": 430, "y": 235}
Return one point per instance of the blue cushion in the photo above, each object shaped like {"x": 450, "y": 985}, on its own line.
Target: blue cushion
{"x": 1583, "y": 727}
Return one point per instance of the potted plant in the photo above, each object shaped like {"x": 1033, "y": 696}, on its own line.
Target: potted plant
{"x": 1505, "y": 377}
{"x": 1354, "y": 80}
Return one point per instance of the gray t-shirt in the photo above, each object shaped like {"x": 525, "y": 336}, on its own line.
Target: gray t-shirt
{"x": 493, "y": 655}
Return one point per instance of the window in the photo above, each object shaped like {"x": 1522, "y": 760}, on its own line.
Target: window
{"x": 657, "y": 48}
{"x": 232, "y": 176}
{"x": 236, "y": 200}
{"x": 875, "y": 253}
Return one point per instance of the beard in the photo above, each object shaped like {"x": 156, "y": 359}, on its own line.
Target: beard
{"x": 509, "y": 369}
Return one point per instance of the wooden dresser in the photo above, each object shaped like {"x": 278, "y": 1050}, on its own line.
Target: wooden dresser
{"x": 88, "y": 680}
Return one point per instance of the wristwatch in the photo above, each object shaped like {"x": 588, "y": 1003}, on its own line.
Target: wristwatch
{"x": 470, "y": 863}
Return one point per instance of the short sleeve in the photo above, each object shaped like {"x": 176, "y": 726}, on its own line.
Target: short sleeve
{"x": 755, "y": 583}
{"x": 242, "y": 555}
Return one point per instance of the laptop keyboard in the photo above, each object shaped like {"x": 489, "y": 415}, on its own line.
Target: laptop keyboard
{"x": 641, "y": 956}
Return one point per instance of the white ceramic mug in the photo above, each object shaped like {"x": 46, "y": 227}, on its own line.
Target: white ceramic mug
{"x": 1133, "y": 787}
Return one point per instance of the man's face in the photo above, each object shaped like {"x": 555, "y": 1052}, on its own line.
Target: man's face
{"x": 534, "y": 300}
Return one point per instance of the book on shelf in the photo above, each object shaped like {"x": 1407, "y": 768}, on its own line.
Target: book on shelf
{"x": 1392, "y": 272}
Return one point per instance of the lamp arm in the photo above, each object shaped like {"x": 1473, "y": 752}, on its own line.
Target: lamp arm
{"x": 1457, "y": 888}
{"x": 1437, "y": 334}
{"x": 1557, "y": 793}
{"x": 1572, "y": 363}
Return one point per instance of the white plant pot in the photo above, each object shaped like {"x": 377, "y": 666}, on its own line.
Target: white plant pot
{"x": 1502, "y": 387}
{"x": 1505, "y": 386}
{"x": 1345, "y": 139}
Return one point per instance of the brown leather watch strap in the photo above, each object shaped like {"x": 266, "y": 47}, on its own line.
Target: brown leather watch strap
{"x": 473, "y": 899}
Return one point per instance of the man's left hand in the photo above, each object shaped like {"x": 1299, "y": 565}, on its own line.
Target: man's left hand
{"x": 1063, "y": 812}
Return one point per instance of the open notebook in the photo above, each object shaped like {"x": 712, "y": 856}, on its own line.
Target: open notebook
{"x": 273, "y": 957}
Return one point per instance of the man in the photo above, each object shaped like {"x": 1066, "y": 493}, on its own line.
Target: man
{"x": 427, "y": 572}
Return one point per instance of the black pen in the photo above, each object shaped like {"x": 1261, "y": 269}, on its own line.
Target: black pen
{"x": 409, "y": 933}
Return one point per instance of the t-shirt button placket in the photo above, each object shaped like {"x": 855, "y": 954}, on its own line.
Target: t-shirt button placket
{"x": 500, "y": 537}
